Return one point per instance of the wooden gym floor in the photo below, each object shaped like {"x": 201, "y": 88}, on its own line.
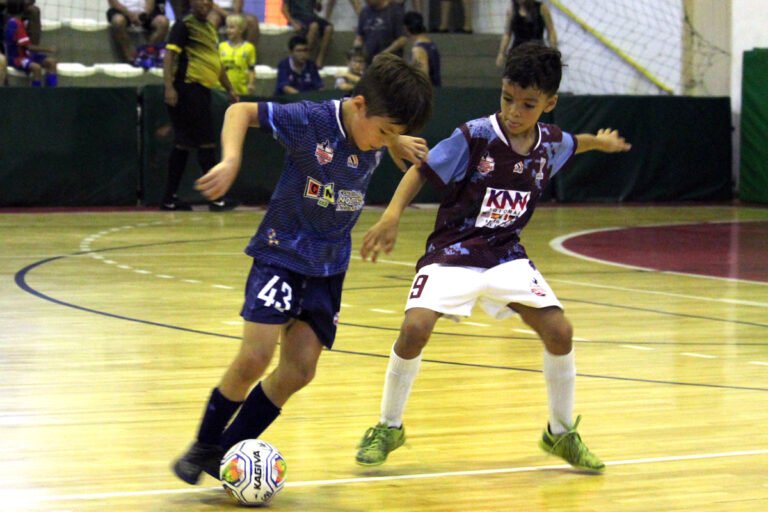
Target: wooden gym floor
{"x": 114, "y": 326}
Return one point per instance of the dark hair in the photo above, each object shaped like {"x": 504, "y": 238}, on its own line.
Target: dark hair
{"x": 414, "y": 22}
{"x": 395, "y": 89}
{"x": 356, "y": 52}
{"x": 296, "y": 41}
{"x": 534, "y": 65}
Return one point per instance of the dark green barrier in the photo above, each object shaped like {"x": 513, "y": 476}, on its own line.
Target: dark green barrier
{"x": 68, "y": 147}
{"x": 681, "y": 149}
{"x": 79, "y": 147}
{"x": 753, "y": 177}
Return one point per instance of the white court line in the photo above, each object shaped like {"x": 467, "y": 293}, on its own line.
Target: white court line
{"x": 476, "y": 324}
{"x": 637, "y": 347}
{"x": 387, "y": 311}
{"x": 694, "y": 354}
{"x": 760, "y": 363}
{"x": 373, "y": 479}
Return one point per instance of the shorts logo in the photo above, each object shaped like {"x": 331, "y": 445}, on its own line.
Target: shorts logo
{"x": 324, "y": 152}
{"x": 486, "y": 164}
{"x": 350, "y": 201}
{"x": 500, "y": 207}
{"x": 322, "y": 192}
{"x": 352, "y": 161}
{"x": 537, "y": 289}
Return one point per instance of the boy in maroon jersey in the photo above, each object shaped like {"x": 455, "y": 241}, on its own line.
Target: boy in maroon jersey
{"x": 495, "y": 168}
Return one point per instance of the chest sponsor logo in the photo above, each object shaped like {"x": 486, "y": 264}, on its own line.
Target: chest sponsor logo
{"x": 353, "y": 161}
{"x": 324, "y": 152}
{"x": 350, "y": 201}
{"x": 501, "y": 207}
{"x": 486, "y": 164}
{"x": 323, "y": 192}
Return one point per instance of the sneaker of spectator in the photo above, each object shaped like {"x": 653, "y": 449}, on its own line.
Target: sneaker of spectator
{"x": 147, "y": 16}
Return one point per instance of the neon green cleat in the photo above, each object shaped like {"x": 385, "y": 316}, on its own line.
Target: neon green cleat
{"x": 570, "y": 447}
{"x": 377, "y": 442}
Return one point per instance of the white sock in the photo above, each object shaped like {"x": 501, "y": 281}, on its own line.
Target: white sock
{"x": 397, "y": 387}
{"x": 560, "y": 375}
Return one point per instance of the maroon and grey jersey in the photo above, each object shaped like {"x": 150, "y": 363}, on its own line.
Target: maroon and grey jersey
{"x": 493, "y": 191}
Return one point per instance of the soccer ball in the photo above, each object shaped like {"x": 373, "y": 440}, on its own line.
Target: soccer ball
{"x": 252, "y": 472}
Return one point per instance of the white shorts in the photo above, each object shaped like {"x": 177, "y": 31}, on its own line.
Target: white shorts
{"x": 453, "y": 291}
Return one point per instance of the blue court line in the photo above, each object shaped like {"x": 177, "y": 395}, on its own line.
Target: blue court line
{"x": 21, "y": 282}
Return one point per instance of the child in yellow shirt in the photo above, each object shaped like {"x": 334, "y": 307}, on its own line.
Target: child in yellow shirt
{"x": 238, "y": 56}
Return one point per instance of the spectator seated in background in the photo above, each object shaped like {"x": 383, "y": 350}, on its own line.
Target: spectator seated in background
{"x": 424, "y": 53}
{"x": 22, "y": 54}
{"x": 30, "y": 14}
{"x": 297, "y": 72}
{"x": 330, "y": 4}
{"x": 301, "y": 15}
{"x": 238, "y": 56}
{"x": 347, "y": 80}
{"x": 380, "y": 29}
{"x": 142, "y": 15}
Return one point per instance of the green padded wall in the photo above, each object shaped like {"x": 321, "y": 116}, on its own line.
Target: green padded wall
{"x": 753, "y": 174}
{"x": 68, "y": 147}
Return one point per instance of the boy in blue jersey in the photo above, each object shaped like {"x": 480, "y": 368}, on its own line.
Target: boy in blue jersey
{"x": 302, "y": 247}
{"x": 495, "y": 168}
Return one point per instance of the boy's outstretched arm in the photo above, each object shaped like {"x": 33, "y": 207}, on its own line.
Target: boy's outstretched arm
{"x": 382, "y": 235}
{"x": 239, "y": 117}
{"x": 606, "y": 140}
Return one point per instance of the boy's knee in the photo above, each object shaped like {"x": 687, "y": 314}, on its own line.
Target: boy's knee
{"x": 119, "y": 22}
{"x": 415, "y": 333}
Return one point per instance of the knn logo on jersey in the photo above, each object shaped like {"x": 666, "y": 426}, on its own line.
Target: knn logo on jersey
{"x": 324, "y": 152}
{"x": 500, "y": 207}
{"x": 322, "y": 192}
{"x": 486, "y": 164}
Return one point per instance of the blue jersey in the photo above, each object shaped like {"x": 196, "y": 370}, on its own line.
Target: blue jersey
{"x": 493, "y": 191}
{"x": 320, "y": 193}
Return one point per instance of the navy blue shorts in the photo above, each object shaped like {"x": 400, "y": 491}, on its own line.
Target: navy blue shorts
{"x": 274, "y": 295}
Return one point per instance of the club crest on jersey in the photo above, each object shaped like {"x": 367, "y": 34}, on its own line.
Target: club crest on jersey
{"x": 486, "y": 164}
{"x": 501, "y": 207}
{"x": 353, "y": 161}
{"x": 324, "y": 152}
{"x": 322, "y": 192}
{"x": 518, "y": 168}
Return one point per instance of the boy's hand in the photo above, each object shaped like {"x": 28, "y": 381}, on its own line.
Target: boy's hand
{"x": 171, "y": 96}
{"x": 611, "y": 142}
{"x": 215, "y": 183}
{"x": 380, "y": 237}
{"x": 412, "y": 149}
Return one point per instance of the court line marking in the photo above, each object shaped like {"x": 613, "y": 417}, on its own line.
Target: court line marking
{"x": 389, "y": 478}
{"x": 558, "y": 244}
{"x": 696, "y": 354}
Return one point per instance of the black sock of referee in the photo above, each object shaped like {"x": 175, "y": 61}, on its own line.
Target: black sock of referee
{"x": 177, "y": 162}
{"x": 257, "y": 413}
{"x": 217, "y": 414}
{"x": 206, "y": 157}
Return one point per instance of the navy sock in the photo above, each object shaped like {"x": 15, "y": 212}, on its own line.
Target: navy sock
{"x": 218, "y": 412}
{"x": 256, "y": 414}
{"x": 51, "y": 80}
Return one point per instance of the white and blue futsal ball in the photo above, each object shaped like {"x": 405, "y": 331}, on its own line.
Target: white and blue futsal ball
{"x": 252, "y": 472}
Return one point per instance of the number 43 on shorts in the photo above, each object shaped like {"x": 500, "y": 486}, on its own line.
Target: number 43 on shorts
{"x": 270, "y": 290}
